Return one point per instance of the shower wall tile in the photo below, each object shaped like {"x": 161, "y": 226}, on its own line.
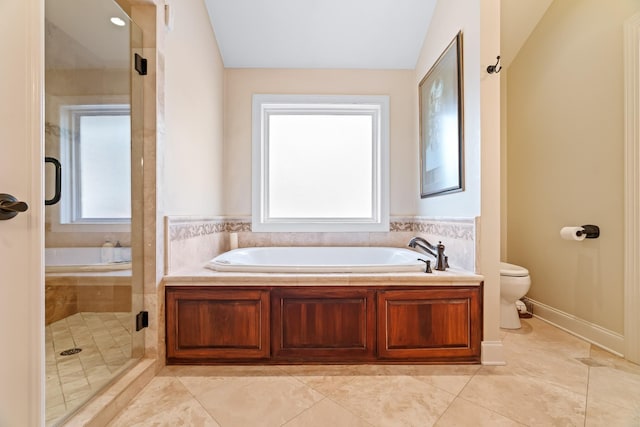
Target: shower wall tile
{"x": 68, "y": 295}
{"x": 61, "y": 300}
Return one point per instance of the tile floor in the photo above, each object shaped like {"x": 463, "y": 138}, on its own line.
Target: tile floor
{"x": 552, "y": 379}
{"x": 105, "y": 340}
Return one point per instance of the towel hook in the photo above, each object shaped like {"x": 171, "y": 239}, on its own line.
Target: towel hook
{"x": 494, "y": 68}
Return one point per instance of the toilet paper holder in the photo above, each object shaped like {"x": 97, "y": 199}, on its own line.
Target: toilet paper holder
{"x": 590, "y": 231}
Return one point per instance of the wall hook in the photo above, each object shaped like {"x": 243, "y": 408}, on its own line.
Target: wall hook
{"x": 494, "y": 68}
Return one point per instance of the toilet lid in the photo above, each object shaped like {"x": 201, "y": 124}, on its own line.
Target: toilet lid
{"x": 512, "y": 270}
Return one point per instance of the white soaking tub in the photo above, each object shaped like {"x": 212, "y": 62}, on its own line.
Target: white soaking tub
{"x": 319, "y": 259}
{"x": 71, "y": 260}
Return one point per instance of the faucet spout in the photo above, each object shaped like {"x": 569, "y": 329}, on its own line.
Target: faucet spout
{"x": 436, "y": 251}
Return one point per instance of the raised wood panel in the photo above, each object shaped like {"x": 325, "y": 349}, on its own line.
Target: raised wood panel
{"x": 217, "y": 324}
{"x": 323, "y": 324}
{"x": 435, "y": 323}
{"x": 331, "y": 324}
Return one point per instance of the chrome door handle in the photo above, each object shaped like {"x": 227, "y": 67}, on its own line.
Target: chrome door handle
{"x": 10, "y": 206}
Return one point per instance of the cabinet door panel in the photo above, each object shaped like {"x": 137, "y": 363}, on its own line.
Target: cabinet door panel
{"x": 429, "y": 323}
{"x": 323, "y": 324}
{"x": 217, "y": 324}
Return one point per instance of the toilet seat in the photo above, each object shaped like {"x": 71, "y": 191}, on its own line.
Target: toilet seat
{"x": 512, "y": 270}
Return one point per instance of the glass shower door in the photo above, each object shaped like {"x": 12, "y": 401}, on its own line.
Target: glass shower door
{"x": 93, "y": 131}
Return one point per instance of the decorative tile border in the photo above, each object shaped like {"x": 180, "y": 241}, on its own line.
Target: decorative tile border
{"x": 452, "y": 230}
{"x": 182, "y": 228}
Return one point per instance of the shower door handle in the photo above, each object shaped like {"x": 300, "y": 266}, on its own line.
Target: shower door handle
{"x": 10, "y": 206}
{"x": 56, "y": 164}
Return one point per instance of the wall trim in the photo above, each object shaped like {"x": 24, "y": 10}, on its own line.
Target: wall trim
{"x": 632, "y": 189}
{"x": 590, "y": 332}
{"x": 492, "y": 353}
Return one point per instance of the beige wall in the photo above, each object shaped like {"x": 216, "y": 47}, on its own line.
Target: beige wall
{"x": 241, "y": 84}
{"x": 565, "y": 158}
{"x": 450, "y": 17}
{"x": 194, "y": 87}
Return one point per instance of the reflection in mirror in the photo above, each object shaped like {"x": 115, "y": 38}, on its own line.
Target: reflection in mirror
{"x": 92, "y": 98}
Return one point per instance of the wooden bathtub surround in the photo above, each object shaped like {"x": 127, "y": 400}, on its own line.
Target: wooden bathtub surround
{"x": 324, "y": 324}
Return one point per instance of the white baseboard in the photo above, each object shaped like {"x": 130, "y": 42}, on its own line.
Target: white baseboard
{"x": 492, "y": 353}
{"x": 590, "y": 332}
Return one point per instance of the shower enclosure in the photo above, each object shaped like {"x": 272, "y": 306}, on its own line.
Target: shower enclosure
{"x": 93, "y": 185}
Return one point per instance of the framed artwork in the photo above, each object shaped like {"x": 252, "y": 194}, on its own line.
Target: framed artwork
{"x": 441, "y": 124}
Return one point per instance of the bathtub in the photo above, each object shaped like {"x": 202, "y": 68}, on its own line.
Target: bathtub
{"x": 69, "y": 260}
{"x": 320, "y": 259}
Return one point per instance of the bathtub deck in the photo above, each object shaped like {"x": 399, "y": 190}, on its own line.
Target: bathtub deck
{"x": 208, "y": 277}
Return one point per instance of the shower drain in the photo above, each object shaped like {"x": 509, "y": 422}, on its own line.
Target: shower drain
{"x": 70, "y": 351}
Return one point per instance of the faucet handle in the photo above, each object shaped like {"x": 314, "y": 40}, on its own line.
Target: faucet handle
{"x": 446, "y": 262}
{"x": 427, "y": 267}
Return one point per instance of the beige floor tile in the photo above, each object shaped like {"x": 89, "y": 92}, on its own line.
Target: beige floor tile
{"x": 327, "y": 413}
{"x": 548, "y": 364}
{"x": 538, "y": 334}
{"x": 462, "y": 413}
{"x": 164, "y": 402}
{"x": 78, "y": 376}
{"x": 393, "y": 400}
{"x": 201, "y": 385}
{"x": 528, "y": 400}
{"x": 54, "y": 412}
{"x": 451, "y": 378}
{"x": 614, "y": 386}
{"x": 324, "y": 379}
{"x": 603, "y": 413}
{"x": 256, "y": 401}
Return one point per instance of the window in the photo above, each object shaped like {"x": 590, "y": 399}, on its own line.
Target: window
{"x": 96, "y": 159}
{"x": 320, "y": 163}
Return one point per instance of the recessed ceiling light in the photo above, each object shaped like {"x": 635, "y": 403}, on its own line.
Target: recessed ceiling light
{"x": 117, "y": 21}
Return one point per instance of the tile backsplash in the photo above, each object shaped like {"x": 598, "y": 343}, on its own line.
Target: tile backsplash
{"x": 192, "y": 241}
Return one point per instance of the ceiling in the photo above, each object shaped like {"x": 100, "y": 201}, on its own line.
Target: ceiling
{"x": 373, "y": 34}
{"x": 364, "y": 34}
{"x": 80, "y": 35}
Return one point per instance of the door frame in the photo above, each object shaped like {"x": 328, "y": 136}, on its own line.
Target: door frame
{"x": 632, "y": 189}
{"x": 22, "y": 238}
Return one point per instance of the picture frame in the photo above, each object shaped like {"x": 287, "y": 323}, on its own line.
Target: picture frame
{"x": 442, "y": 124}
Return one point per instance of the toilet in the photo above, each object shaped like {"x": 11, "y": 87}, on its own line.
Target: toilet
{"x": 514, "y": 284}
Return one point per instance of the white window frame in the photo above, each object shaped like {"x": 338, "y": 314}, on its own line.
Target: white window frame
{"x": 376, "y": 106}
{"x": 64, "y": 218}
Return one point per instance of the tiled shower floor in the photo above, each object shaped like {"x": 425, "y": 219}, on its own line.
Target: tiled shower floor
{"x": 105, "y": 340}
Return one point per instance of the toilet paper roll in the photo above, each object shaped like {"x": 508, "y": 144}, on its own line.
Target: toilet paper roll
{"x": 573, "y": 233}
